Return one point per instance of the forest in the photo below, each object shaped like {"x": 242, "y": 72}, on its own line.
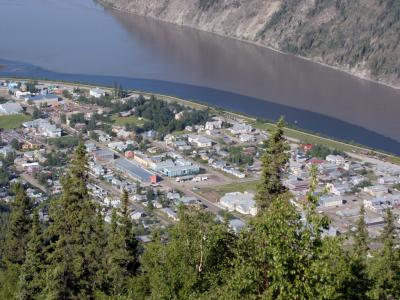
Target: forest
{"x": 281, "y": 253}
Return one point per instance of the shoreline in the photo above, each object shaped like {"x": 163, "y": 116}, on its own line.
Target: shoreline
{"x": 308, "y": 59}
{"x": 292, "y": 133}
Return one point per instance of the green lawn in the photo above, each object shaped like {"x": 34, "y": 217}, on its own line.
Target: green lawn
{"x": 13, "y": 121}
{"x": 121, "y": 121}
{"x": 250, "y": 186}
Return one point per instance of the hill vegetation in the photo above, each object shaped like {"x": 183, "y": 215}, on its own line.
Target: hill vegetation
{"x": 359, "y": 36}
{"x": 75, "y": 254}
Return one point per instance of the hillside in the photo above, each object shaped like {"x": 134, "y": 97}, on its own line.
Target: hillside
{"x": 360, "y": 36}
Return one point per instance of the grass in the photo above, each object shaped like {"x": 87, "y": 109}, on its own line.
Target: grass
{"x": 13, "y": 121}
{"x": 305, "y": 137}
{"x": 132, "y": 120}
{"x": 235, "y": 187}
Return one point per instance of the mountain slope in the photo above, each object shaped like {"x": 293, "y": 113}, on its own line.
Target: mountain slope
{"x": 360, "y": 36}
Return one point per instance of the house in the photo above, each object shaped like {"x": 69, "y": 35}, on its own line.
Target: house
{"x": 43, "y": 127}
{"x": 170, "y": 213}
{"x": 104, "y": 155}
{"x": 7, "y": 150}
{"x": 241, "y": 202}
{"x": 236, "y": 225}
{"x": 199, "y": 141}
{"x": 48, "y": 100}
{"x": 240, "y": 128}
{"x": 97, "y": 92}
{"x": 336, "y": 159}
{"x": 247, "y": 138}
{"x": 330, "y": 200}
{"x": 210, "y": 125}
{"x": 376, "y": 190}
{"x": 298, "y": 185}
{"x": 10, "y": 108}
{"x": 22, "y": 95}
{"x": 338, "y": 188}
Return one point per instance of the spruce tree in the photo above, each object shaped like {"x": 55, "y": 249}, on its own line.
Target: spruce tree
{"x": 17, "y": 235}
{"x": 72, "y": 261}
{"x": 16, "y": 241}
{"x": 193, "y": 263}
{"x": 385, "y": 268}
{"x": 122, "y": 262}
{"x": 282, "y": 256}
{"x": 31, "y": 277}
{"x": 359, "y": 283}
{"x": 274, "y": 162}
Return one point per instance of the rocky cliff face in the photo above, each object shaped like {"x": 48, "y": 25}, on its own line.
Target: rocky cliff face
{"x": 359, "y": 36}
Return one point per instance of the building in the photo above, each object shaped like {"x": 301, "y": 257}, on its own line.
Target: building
{"x": 97, "y": 93}
{"x": 104, "y": 155}
{"x": 170, "y": 213}
{"x": 48, "y": 100}
{"x": 330, "y": 200}
{"x": 43, "y": 127}
{"x": 210, "y": 125}
{"x": 247, "y": 138}
{"x": 236, "y": 225}
{"x": 336, "y": 159}
{"x": 240, "y": 128}
{"x": 22, "y": 95}
{"x": 199, "y": 141}
{"x": 241, "y": 202}
{"x": 7, "y": 150}
{"x": 10, "y": 108}
{"x": 178, "y": 168}
{"x": 376, "y": 190}
{"x": 298, "y": 185}
{"x": 133, "y": 170}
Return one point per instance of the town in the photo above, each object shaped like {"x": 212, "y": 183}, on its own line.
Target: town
{"x": 166, "y": 153}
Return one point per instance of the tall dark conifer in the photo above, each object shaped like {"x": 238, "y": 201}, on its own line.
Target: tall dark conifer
{"x": 274, "y": 163}
{"x": 31, "y": 279}
{"x": 122, "y": 249}
{"x": 385, "y": 268}
{"x": 17, "y": 235}
{"x": 359, "y": 282}
{"x": 72, "y": 261}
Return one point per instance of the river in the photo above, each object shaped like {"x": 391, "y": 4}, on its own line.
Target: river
{"x": 81, "y": 40}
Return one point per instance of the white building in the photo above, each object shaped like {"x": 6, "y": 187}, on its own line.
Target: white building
{"x": 330, "y": 200}
{"x": 10, "y": 108}
{"x": 241, "y": 202}
{"x": 376, "y": 190}
{"x": 247, "y": 138}
{"x": 199, "y": 141}
{"x": 239, "y": 128}
{"x": 43, "y": 127}
{"x": 213, "y": 125}
{"x": 97, "y": 92}
{"x": 336, "y": 159}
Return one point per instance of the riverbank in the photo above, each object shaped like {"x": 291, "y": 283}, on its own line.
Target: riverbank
{"x": 357, "y": 71}
{"x": 293, "y": 134}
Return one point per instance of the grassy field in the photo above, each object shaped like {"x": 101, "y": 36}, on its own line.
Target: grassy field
{"x": 234, "y": 187}
{"x": 13, "y": 121}
{"x": 121, "y": 121}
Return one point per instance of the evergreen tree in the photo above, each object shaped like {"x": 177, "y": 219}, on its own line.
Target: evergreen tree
{"x": 274, "y": 163}
{"x": 17, "y": 235}
{"x": 72, "y": 261}
{"x": 359, "y": 282}
{"x": 31, "y": 277}
{"x": 282, "y": 256}
{"x": 386, "y": 267}
{"x": 15, "y": 242}
{"x": 122, "y": 260}
{"x": 193, "y": 262}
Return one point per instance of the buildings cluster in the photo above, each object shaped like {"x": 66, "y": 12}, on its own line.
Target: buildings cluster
{"x": 43, "y": 127}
